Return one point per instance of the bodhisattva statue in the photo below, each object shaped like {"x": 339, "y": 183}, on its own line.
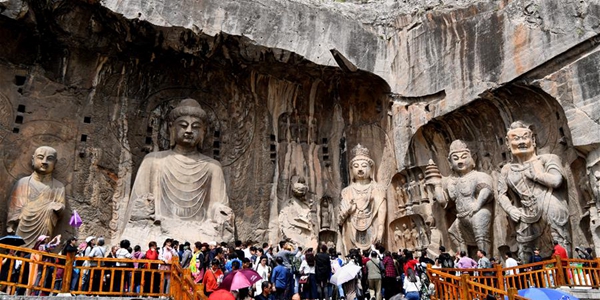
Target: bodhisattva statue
{"x": 36, "y": 200}
{"x": 181, "y": 189}
{"x": 409, "y": 243}
{"x": 528, "y": 190}
{"x": 363, "y": 208}
{"x": 295, "y": 218}
{"x": 472, "y": 194}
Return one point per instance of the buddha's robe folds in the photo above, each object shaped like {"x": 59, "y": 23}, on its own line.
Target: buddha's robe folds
{"x": 34, "y": 206}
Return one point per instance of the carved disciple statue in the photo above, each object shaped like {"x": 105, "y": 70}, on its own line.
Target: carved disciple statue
{"x": 363, "y": 208}
{"x": 295, "y": 218}
{"x": 181, "y": 187}
{"x": 472, "y": 193}
{"x": 325, "y": 213}
{"x": 36, "y": 200}
{"x": 528, "y": 192}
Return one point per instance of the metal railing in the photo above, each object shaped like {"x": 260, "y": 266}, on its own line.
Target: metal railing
{"x": 503, "y": 283}
{"x": 26, "y": 271}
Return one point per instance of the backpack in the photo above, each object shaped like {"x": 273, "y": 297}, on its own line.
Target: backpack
{"x": 295, "y": 262}
{"x": 446, "y": 260}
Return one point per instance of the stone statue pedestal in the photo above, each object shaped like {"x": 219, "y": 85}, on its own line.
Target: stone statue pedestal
{"x": 141, "y": 232}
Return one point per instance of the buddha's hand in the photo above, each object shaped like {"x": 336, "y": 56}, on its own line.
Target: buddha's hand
{"x": 223, "y": 213}
{"x": 56, "y": 206}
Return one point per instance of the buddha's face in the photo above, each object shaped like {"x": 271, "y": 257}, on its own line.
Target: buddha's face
{"x": 520, "y": 141}
{"x": 188, "y": 131}
{"x": 361, "y": 169}
{"x": 461, "y": 162}
{"x": 44, "y": 160}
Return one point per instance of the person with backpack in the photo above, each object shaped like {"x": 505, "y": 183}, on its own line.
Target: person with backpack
{"x": 308, "y": 278}
{"x": 322, "y": 271}
{"x": 445, "y": 258}
{"x": 374, "y": 275}
{"x": 412, "y": 286}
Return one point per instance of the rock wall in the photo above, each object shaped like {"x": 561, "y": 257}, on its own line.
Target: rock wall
{"x": 94, "y": 79}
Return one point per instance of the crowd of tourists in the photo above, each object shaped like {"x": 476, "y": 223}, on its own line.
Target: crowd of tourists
{"x": 286, "y": 270}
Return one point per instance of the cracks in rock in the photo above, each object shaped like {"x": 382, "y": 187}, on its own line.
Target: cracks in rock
{"x": 560, "y": 61}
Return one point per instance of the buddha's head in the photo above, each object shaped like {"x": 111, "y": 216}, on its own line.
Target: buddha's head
{"x": 361, "y": 165}
{"x": 299, "y": 189}
{"x": 520, "y": 140}
{"x": 44, "y": 160}
{"x": 460, "y": 157}
{"x": 188, "y": 124}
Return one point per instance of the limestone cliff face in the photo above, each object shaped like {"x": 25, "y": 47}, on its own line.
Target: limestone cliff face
{"x": 96, "y": 78}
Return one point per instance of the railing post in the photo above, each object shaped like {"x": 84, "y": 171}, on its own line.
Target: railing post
{"x": 464, "y": 286}
{"x": 68, "y": 274}
{"x": 173, "y": 290}
{"x": 500, "y": 276}
{"x": 560, "y": 271}
{"x": 512, "y": 292}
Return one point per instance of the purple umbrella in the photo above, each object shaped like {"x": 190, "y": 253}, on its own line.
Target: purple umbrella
{"x": 75, "y": 220}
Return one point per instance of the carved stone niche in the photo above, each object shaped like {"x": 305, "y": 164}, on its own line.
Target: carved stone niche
{"x": 593, "y": 177}
{"x": 409, "y": 232}
{"x": 483, "y": 124}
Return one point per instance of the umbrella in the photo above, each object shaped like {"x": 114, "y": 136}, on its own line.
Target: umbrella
{"x": 345, "y": 274}
{"x": 13, "y": 240}
{"x": 221, "y": 295}
{"x": 75, "y": 220}
{"x": 239, "y": 279}
{"x": 546, "y": 294}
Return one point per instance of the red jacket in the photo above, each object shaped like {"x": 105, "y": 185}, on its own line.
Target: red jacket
{"x": 561, "y": 252}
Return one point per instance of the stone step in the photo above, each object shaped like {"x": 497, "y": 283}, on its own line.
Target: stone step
{"x": 582, "y": 293}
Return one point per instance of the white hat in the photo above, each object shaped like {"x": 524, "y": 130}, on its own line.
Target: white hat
{"x": 89, "y": 238}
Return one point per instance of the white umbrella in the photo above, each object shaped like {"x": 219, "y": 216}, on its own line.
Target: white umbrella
{"x": 345, "y": 274}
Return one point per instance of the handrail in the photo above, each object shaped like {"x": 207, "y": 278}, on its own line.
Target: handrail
{"x": 504, "y": 282}
{"x": 39, "y": 272}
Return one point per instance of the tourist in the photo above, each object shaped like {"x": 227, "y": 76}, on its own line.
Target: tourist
{"x": 186, "y": 256}
{"x": 323, "y": 271}
{"x": 197, "y": 262}
{"x": 308, "y": 279}
{"x": 166, "y": 254}
{"x": 152, "y": 278}
{"x": 510, "y": 262}
{"x": 465, "y": 262}
{"x": 282, "y": 279}
{"x": 122, "y": 253}
{"x": 561, "y": 252}
{"x": 424, "y": 259}
{"x": 265, "y": 291}
{"x": 335, "y": 264}
{"x": 412, "y": 285}
{"x": 445, "y": 259}
{"x": 374, "y": 275}
{"x": 97, "y": 252}
{"x": 212, "y": 277}
{"x": 43, "y": 244}
{"x": 264, "y": 270}
{"x": 137, "y": 275}
{"x": 389, "y": 282}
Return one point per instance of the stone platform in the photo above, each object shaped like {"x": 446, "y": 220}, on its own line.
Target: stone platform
{"x": 582, "y": 293}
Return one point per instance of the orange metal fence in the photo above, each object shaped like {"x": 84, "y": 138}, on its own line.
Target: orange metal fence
{"x": 499, "y": 282}
{"x": 26, "y": 271}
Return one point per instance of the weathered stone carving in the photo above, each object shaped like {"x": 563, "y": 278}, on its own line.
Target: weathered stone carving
{"x": 363, "y": 207}
{"x": 36, "y": 200}
{"x": 325, "y": 213}
{"x": 593, "y": 172}
{"x": 295, "y": 218}
{"x": 471, "y": 192}
{"x": 528, "y": 191}
{"x": 181, "y": 186}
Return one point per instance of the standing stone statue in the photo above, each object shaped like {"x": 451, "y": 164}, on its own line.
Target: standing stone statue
{"x": 415, "y": 236}
{"x": 181, "y": 189}
{"x": 528, "y": 190}
{"x": 36, "y": 200}
{"x": 398, "y": 238}
{"x": 295, "y": 218}
{"x": 471, "y": 192}
{"x": 409, "y": 243}
{"x": 325, "y": 212}
{"x": 363, "y": 208}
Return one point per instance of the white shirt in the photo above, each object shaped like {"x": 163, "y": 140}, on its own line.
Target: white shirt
{"x": 306, "y": 269}
{"x": 412, "y": 286}
{"x": 511, "y": 262}
{"x": 122, "y": 253}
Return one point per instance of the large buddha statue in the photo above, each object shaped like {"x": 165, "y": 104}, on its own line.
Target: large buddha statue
{"x": 529, "y": 190}
{"x": 472, "y": 194}
{"x": 363, "y": 208}
{"x": 181, "y": 190}
{"x": 36, "y": 200}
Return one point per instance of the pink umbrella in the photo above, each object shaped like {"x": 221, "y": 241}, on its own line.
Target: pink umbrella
{"x": 239, "y": 279}
{"x": 75, "y": 220}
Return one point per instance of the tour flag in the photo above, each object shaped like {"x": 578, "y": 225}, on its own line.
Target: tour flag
{"x": 75, "y": 220}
